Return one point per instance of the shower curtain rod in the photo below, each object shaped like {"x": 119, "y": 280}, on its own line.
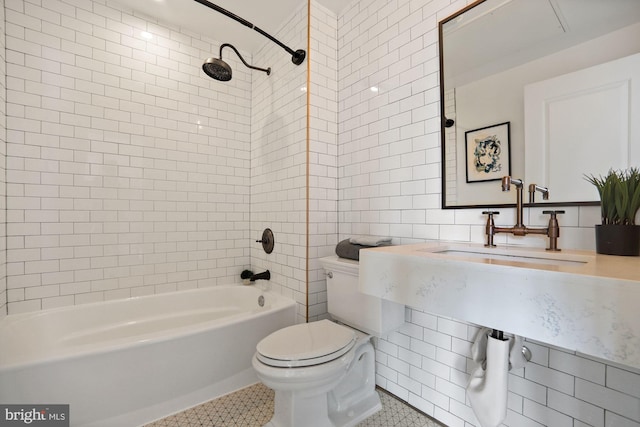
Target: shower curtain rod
{"x": 297, "y": 57}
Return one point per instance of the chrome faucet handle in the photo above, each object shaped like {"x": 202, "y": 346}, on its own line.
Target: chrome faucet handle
{"x": 553, "y": 230}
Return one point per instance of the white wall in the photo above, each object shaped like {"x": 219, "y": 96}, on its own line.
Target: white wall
{"x": 293, "y": 159}
{"x": 3, "y": 162}
{"x": 389, "y": 184}
{"x": 127, "y": 167}
{"x": 278, "y": 163}
{"x": 130, "y": 171}
{"x": 323, "y": 149}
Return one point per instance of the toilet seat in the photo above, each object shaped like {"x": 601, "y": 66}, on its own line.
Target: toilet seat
{"x": 306, "y": 344}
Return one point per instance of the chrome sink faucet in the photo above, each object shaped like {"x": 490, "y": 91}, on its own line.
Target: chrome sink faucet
{"x": 532, "y": 192}
{"x": 519, "y": 229}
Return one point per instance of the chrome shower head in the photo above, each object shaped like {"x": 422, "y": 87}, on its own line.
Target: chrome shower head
{"x": 217, "y": 69}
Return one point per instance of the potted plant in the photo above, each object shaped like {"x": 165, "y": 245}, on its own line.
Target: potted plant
{"x": 620, "y": 200}
{"x": 246, "y": 276}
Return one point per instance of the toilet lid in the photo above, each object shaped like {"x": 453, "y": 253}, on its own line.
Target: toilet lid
{"x": 305, "y": 344}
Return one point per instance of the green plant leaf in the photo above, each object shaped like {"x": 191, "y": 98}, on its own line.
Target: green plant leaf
{"x": 634, "y": 202}
{"x": 621, "y": 198}
{"x": 608, "y": 200}
{"x": 619, "y": 195}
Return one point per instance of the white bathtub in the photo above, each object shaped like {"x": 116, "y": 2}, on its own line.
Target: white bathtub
{"x": 128, "y": 362}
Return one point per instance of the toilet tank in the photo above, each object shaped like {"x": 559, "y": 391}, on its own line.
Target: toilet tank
{"x": 348, "y": 305}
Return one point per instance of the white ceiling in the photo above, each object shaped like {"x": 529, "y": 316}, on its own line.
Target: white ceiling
{"x": 500, "y": 34}
{"x": 268, "y": 15}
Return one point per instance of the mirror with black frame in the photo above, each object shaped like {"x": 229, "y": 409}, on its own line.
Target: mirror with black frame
{"x": 541, "y": 90}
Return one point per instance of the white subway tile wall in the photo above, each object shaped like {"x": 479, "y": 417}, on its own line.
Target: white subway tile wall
{"x": 3, "y": 163}
{"x": 389, "y": 184}
{"x": 323, "y": 155}
{"x": 127, "y": 167}
{"x": 278, "y": 162}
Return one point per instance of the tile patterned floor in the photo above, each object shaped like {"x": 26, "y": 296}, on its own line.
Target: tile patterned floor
{"x": 253, "y": 407}
{"x": 396, "y": 413}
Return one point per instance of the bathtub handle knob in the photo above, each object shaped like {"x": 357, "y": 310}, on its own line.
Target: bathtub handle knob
{"x": 267, "y": 240}
{"x": 330, "y": 275}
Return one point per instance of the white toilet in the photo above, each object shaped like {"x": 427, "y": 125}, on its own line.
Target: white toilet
{"x": 323, "y": 372}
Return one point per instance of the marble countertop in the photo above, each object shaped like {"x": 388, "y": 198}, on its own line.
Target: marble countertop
{"x": 577, "y": 300}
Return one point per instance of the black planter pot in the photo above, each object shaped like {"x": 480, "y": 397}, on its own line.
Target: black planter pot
{"x": 618, "y": 239}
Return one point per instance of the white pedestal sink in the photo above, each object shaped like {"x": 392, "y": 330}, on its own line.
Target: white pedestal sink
{"x": 577, "y": 300}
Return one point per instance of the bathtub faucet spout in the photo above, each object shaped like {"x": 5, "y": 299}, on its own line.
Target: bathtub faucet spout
{"x": 265, "y": 275}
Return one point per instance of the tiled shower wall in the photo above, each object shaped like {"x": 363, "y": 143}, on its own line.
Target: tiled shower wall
{"x": 323, "y": 160}
{"x": 282, "y": 177}
{"x": 127, "y": 167}
{"x": 3, "y": 162}
{"x": 278, "y": 162}
{"x": 389, "y": 185}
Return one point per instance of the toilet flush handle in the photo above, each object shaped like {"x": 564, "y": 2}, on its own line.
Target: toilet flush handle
{"x": 330, "y": 274}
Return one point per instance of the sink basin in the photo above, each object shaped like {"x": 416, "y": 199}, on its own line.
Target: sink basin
{"x": 572, "y": 299}
{"x": 510, "y": 255}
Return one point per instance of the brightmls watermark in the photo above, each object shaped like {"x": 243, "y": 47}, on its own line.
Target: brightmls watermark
{"x": 34, "y": 415}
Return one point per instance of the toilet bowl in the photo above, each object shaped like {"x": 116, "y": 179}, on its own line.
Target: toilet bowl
{"x": 323, "y": 372}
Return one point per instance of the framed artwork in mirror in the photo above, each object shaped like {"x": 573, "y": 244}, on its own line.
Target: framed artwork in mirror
{"x": 488, "y": 153}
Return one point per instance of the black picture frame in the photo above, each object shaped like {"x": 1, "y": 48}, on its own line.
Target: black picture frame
{"x": 488, "y": 153}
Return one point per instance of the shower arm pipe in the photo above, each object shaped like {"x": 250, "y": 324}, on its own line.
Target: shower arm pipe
{"x": 266, "y": 70}
{"x": 297, "y": 57}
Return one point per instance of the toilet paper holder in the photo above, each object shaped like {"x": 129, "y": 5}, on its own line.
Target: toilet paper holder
{"x": 526, "y": 353}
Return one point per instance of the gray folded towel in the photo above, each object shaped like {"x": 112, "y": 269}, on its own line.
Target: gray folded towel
{"x": 371, "y": 241}
{"x": 346, "y": 249}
